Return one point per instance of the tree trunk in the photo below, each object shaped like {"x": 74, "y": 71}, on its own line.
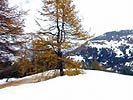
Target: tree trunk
{"x": 60, "y": 63}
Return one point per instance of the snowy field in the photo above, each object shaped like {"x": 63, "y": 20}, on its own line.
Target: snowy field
{"x": 94, "y": 85}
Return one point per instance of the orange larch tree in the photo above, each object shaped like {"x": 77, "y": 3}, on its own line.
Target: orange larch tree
{"x": 11, "y": 25}
{"x": 64, "y": 26}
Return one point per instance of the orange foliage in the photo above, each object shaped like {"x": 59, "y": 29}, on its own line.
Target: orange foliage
{"x": 97, "y": 66}
{"x": 64, "y": 24}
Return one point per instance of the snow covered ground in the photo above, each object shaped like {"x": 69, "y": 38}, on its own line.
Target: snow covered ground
{"x": 94, "y": 85}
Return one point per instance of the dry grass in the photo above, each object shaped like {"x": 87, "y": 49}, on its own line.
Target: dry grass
{"x": 33, "y": 79}
{"x": 38, "y": 78}
{"x": 16, "y": 83}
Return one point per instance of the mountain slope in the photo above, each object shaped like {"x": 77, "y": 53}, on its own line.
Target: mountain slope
{"x": 94, "y": 85}
{"x": 112, "y": 50}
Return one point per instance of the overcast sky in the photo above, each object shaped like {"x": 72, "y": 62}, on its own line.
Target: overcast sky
{"x": 99, "y": 15}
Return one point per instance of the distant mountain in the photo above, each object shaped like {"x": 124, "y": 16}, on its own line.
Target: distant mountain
{"x": 116, "y": 36}
{"x": 113, "y": 50}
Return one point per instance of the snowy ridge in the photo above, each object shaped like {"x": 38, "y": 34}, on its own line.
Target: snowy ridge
{"x": 114, "y": 50}
{"x": 115, "y": 40}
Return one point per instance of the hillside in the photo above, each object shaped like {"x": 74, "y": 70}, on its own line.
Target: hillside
{"x": 113, "y": 50}
{"x": 94, "y": 85}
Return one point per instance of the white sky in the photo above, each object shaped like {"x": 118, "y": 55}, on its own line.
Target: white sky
{"x": 99, "y": 15}
{"x": 107, "y": 15}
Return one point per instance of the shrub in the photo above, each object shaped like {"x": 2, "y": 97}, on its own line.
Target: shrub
{"x": 72, "y": 67}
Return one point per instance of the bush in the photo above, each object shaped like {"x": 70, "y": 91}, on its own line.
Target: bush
{"x": 24, "y": 67}
{"x": 96, "y": 66}
{"x": 72, "y": 67}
